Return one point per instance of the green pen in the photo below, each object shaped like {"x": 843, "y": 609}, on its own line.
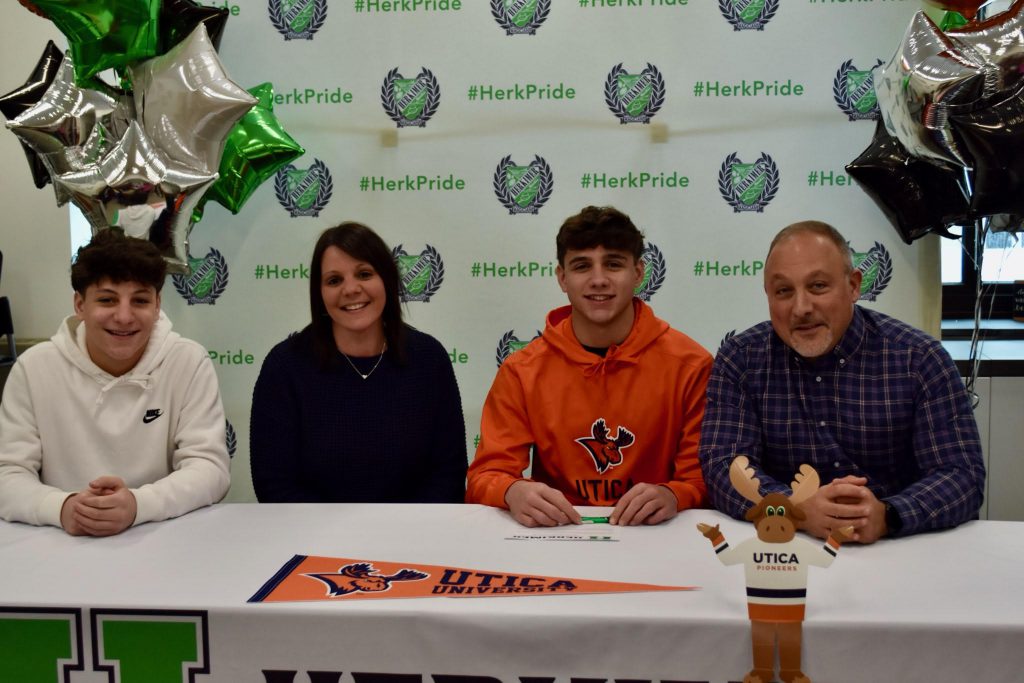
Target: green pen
{"x": 595, "y": 520}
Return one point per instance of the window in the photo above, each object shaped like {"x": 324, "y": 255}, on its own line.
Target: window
{"x": 1002, "y": 263}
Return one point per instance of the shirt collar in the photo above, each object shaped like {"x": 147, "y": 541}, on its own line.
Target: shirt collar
{"x": 852, "y": 338}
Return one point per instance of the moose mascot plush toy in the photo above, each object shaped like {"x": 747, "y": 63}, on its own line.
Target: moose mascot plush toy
{"x": 776, "y": 566}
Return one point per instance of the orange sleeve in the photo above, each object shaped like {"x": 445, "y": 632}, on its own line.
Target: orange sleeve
{"x": 687, "y": 481}
{"x": 505, "y": 441}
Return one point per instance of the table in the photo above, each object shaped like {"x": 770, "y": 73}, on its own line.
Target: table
{"x": 937, "y": 607}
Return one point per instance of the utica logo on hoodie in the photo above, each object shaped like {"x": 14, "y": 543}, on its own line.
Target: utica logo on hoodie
{"x": 607, "y": 452}
{"x": 604, "y": 449}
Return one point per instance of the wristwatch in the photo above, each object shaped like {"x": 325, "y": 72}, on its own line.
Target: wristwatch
{"x": 892, "y": 518}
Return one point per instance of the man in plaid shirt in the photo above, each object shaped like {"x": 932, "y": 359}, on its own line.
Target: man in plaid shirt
{"x": 874, "y": 405}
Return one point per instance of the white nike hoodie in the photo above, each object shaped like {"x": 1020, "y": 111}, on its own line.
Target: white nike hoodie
{"x": 64, "y": 422}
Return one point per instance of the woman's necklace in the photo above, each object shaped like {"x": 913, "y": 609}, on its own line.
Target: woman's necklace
{"x": 382, "y": 349}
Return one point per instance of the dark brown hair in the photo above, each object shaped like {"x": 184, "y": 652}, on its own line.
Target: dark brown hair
{"x": 114, "y": 256}
{"x": 363, "y": 244}
{"x": 603, "y": 226}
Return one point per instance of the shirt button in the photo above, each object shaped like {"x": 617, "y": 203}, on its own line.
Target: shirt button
{"x": 842, "y": 361}
{"x": 835, "y": 464}
{"x": 821, "y": 424}
{"x": 818, "y": 378}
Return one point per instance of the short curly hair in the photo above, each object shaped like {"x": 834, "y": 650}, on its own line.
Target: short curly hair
{"x": 113, "y": 255}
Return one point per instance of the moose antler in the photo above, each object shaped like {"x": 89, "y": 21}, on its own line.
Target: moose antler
{"x": 804, "y": 485}
{"x": 743, "y": 479}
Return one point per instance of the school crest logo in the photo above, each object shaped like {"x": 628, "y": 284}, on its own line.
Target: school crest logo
{"x": 509, "y": 344}
{"x": 231, "y": 438}
{"x": 297, "y": 19}
{"x": 854, "y": 91}
{"x": 523, "y": 189}
{"x": 410, "y": 101}
{"x": 206, "y": 281}
{"x": 421, "y": 274}
{"x": 606, "y": 451}
{"x": 634, "y": 98}
{"x": 520, "y": 17}
{"x": 876, "y": 267}
{"x": 747, "y": 15}
{"x": 748, "y": 187}
{"x": 304, "y": 192}
{"x": 654, "y": 272}
{"x": 362, "y": 578}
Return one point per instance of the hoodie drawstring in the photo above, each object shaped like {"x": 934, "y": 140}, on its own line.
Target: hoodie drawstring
{"x": 142, "y": 381}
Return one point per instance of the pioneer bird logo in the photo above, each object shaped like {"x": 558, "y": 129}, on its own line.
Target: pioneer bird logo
{"x": 606, "y": 453}
{"x": 360, "y": 577}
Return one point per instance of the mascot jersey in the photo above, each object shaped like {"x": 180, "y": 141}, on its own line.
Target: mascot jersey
{"x": 776, "y": 573}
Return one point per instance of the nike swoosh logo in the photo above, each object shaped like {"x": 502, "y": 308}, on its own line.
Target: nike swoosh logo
{"x": 151, "y": 415}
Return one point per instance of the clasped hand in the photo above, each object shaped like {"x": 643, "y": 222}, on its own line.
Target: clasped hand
{"x": 845, "y": 502}
{"x": 106, "y": 508}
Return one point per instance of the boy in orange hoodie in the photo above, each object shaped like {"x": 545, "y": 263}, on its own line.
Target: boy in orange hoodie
{"x": 609, "y": 398}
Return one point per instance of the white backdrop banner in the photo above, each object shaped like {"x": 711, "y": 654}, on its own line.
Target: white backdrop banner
{"x": 465, "y": 132}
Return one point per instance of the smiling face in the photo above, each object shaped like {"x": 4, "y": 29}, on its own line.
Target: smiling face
{"x": 354, "y": 297}
{"x": 811, "y": 293}
{"x": 118, "y": 320}
{"x": 600, "y": 284}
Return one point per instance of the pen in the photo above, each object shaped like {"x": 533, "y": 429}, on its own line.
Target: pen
{"x": 595, "y": 520}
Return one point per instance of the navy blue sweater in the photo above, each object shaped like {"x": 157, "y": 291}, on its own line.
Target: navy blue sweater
{"x": 330, "y": 436}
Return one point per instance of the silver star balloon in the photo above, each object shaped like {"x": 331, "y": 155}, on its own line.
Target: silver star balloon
{"x": 931, "y": 75}
{"x": 77, "y": 158}
{"x": 64, "y": 116}
{"x": 999, "y": 39}
{"x": 136, "y": 189}
{"x": 187, "y": 104}
{"x": 69, "y": 126}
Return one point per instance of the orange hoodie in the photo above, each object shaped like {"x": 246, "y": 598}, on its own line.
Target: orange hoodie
{"x": 597, "y": 425}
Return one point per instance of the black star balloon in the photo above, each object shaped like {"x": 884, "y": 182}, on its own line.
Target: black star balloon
{"x": 178, "y": 18}
{"x": 16, "y": 102}
{"x": 917, "y": 195}
{"x": 994, "y": 137}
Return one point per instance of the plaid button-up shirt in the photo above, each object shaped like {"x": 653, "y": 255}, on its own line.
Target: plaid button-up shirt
{"x": 887, "y": 404}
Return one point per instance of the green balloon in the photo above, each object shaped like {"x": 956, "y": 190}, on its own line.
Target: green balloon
{"x": 952, "y": 20}
{"x": 254, "y": 151}
{"x": 105, "y": 34}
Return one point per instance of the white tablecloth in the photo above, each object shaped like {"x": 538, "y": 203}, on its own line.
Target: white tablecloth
{"x": 937, "y": 607}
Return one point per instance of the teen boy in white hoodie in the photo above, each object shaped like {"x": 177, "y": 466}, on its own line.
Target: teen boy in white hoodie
{"x": 116, "y": 420}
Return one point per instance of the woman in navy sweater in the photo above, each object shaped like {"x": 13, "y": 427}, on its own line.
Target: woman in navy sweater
{"x": 358, "y": 406}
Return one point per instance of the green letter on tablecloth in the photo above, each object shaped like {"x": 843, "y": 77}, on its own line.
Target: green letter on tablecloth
{"x": 30, "y": 649}
{"x": 150, "y": 651}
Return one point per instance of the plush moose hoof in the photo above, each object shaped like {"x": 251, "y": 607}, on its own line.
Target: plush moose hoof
{"x": 759, "y": 676}
{"x": 793, "y": 676}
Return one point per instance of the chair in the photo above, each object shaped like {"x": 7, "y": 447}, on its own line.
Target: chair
{"x": 6, "y": 326}
{"x": 7, "y": 330}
